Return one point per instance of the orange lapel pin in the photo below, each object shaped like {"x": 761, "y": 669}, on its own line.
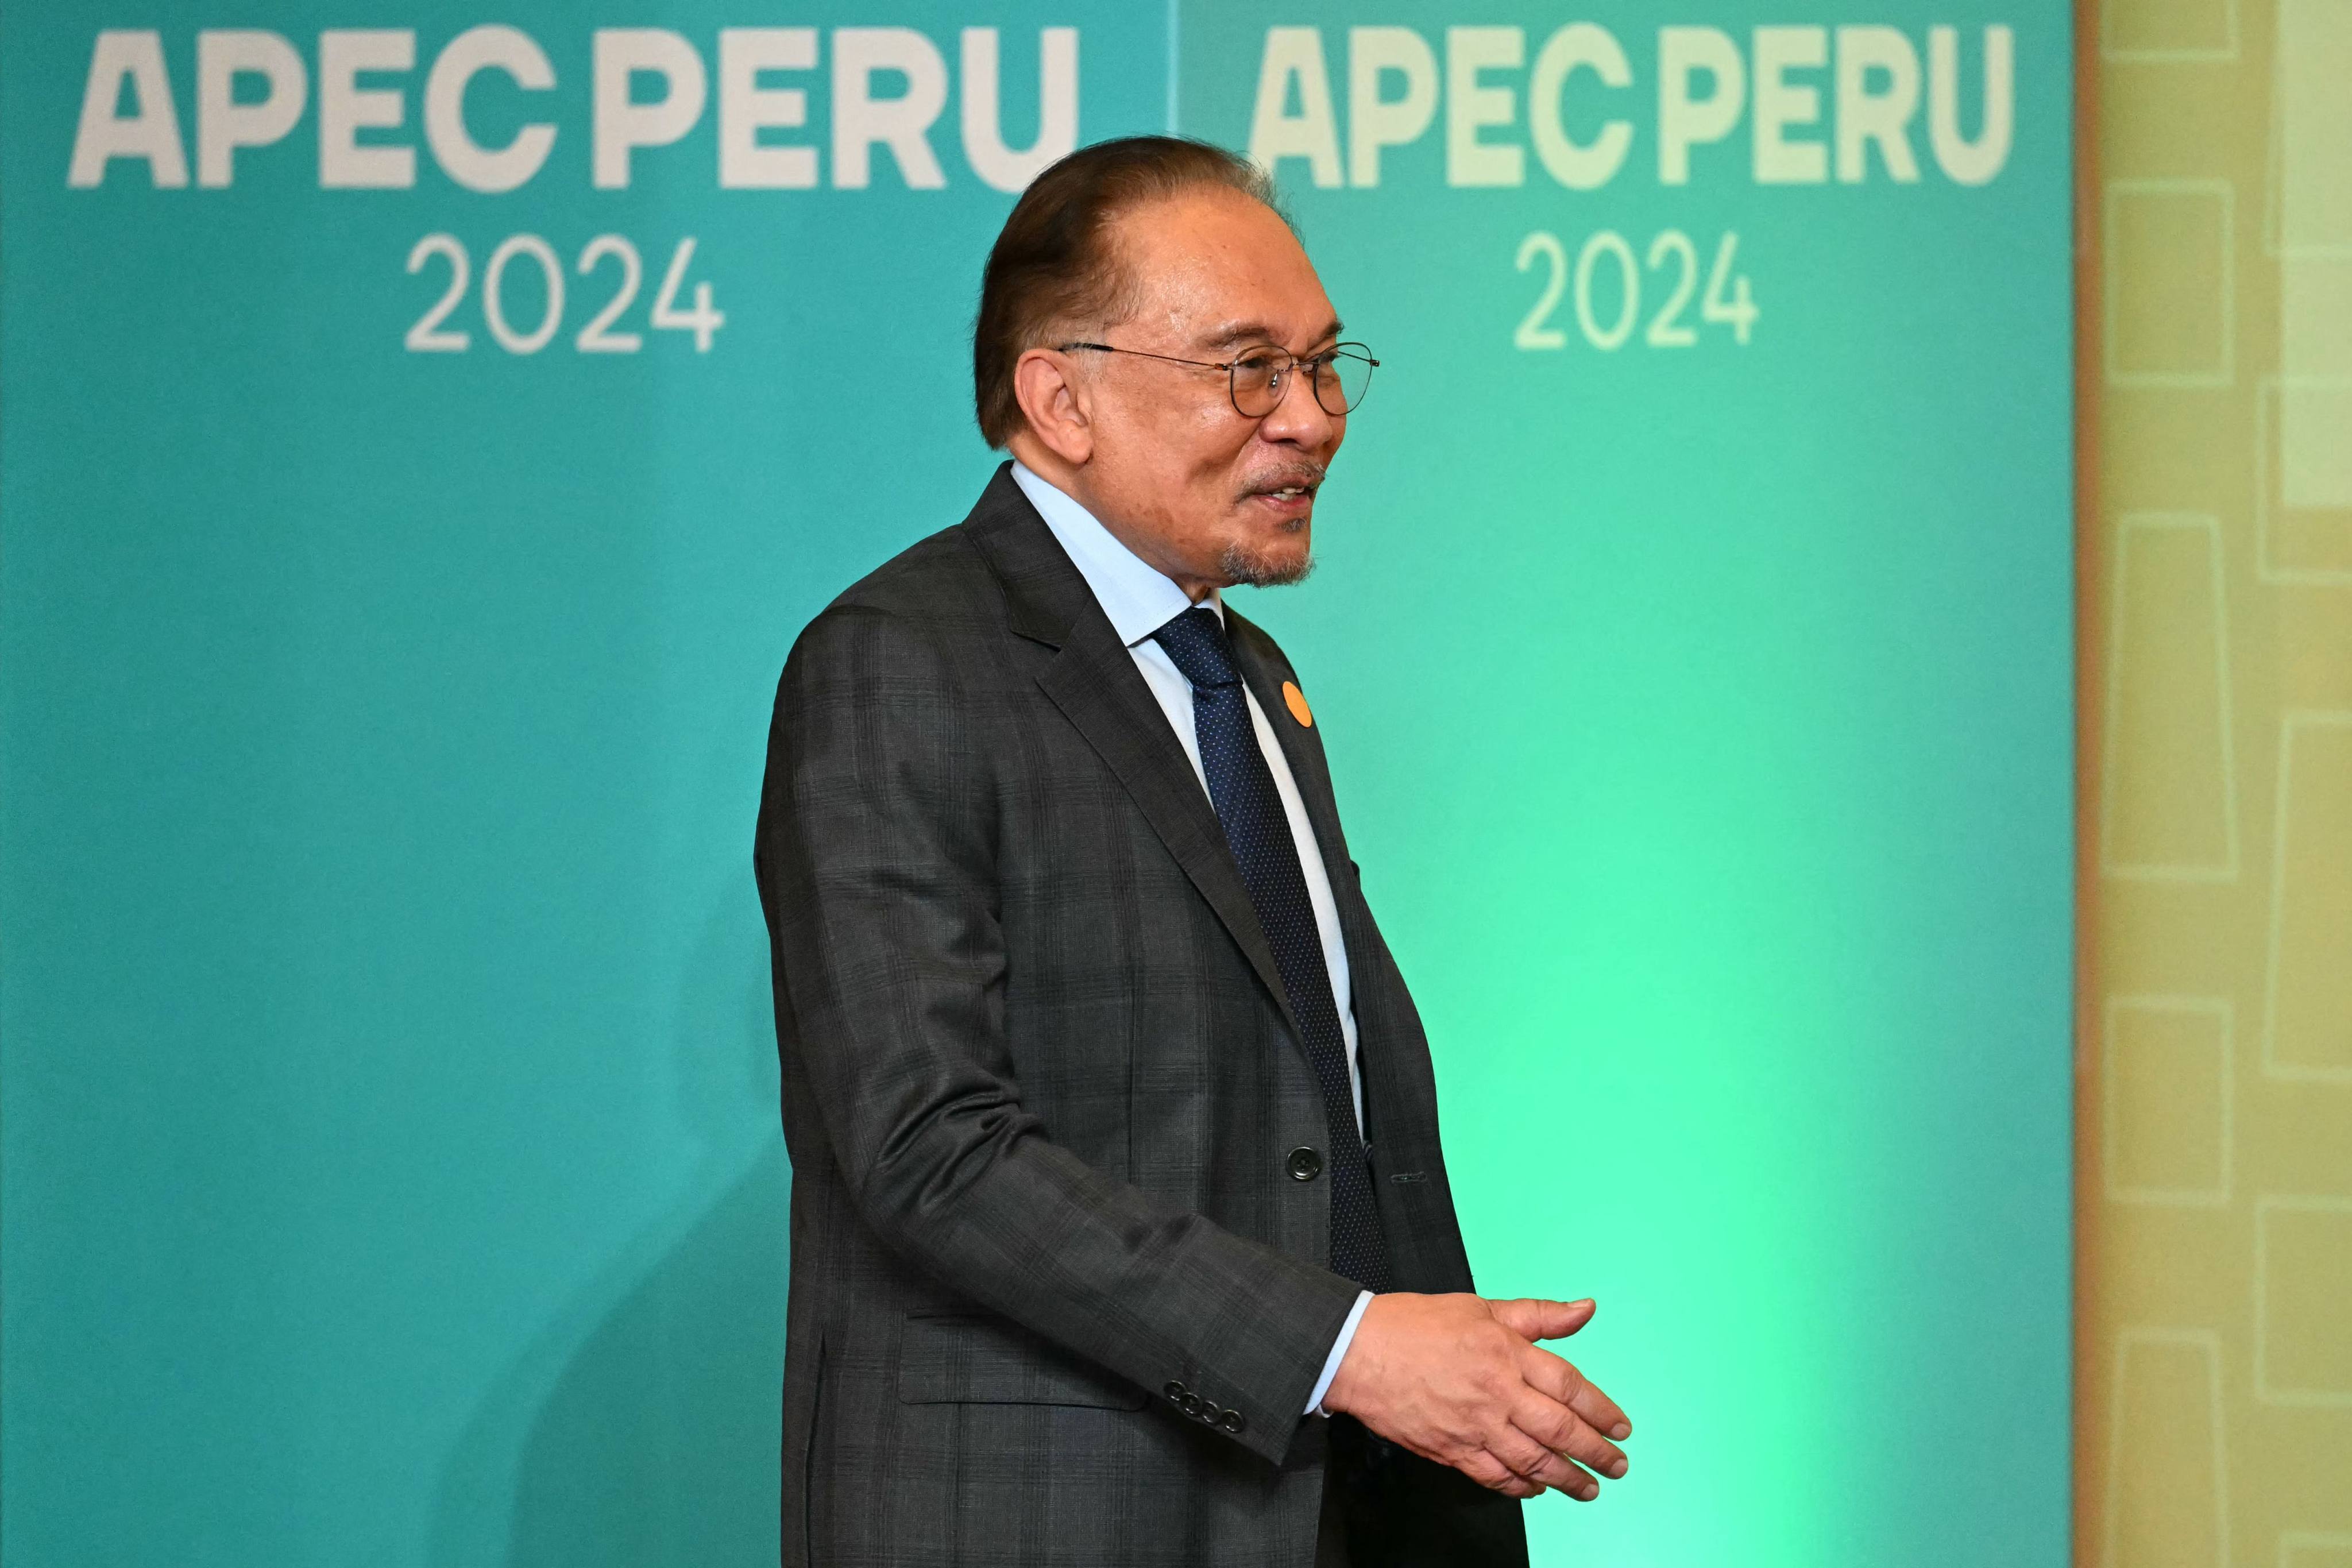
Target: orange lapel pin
{"x": 1295, "y": 700}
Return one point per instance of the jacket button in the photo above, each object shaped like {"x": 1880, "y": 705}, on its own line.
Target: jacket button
{"x": 1305, "y": 1164}
{"x": 1231, "y": 1421}
{"x": 1192, "y": 1404}
{"x": 1174, "y": 1390}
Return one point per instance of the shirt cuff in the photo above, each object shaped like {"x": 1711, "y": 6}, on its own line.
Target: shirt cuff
{"x": 1339, "y": 1351}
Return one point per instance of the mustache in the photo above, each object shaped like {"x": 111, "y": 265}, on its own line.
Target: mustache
{"x": 1305, "y": 473}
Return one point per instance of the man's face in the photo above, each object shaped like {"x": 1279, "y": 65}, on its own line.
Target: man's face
{"x": 1205, "y": 493}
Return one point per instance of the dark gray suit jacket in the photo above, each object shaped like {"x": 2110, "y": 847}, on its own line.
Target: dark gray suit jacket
{"x": 1055, "y": 1297}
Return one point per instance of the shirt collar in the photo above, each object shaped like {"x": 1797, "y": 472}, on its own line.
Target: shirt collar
{"x": 1137, "y": 596}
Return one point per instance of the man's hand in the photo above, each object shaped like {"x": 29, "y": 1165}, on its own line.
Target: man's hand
{"x": 1456, "y": 1379}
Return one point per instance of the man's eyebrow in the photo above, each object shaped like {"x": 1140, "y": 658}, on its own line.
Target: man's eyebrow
{"x": 1238, "y": 333}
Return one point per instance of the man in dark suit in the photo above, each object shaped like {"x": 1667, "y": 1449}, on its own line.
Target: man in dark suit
{"x": 1121, "y": 1234}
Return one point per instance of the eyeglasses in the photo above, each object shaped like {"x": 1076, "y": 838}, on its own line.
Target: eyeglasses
{"x": 1256, "y": 377}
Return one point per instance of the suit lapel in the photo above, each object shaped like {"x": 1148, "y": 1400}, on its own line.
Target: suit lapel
{"x": 1093, "y": 681}
{"x": 1262, "y": 667}
{"x": 1111, "y": 707}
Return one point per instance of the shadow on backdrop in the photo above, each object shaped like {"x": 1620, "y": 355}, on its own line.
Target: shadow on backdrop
{"x": 640, "y": 1428}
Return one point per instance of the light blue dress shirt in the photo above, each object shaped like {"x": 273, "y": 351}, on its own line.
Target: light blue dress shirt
{"x": 1138, "y": 599}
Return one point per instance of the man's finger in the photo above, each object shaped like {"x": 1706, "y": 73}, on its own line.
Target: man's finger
{"x": 1533, "y": 1318}
{"x": 1524, "y": 1457}
{"x": 1496, "y": 1475}
{"x": 1557, "y": 1379}
{"x": 1561, "y": 1430}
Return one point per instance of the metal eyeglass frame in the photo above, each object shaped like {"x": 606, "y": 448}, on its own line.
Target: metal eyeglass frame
{"x": 1273, "y": 385}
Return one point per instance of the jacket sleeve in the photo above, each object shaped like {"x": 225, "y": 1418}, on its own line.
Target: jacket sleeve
{"x": 875, "y": 854}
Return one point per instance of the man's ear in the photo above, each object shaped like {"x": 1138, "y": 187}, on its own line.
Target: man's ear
{"x": 1054, "y": 405}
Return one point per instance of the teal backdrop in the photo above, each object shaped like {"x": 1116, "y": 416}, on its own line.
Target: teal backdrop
{"x": 391, "y": 1170}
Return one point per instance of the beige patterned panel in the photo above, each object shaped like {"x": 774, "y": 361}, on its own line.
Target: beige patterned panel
{"x": 2315, "y": 242}
{"x": 2169, "y": 805}
{"x": 2165, "y": 1483}
{"x": 2169, "y": 31}
{"x": 2168, "y": 1081}
{"x": 2309, "y": 1030}
{"x": 2309, "y": 1549}
{"x": 2215, "y": 1403}
{"x": 2302, "y": 1302}
{"x": 2170, "y": 296}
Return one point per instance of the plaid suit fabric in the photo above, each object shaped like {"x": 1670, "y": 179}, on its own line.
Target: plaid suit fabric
{"x": 1054, "y": 1298}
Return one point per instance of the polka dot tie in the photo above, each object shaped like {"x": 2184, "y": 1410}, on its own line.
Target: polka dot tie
{"x": 1259, "y": 831}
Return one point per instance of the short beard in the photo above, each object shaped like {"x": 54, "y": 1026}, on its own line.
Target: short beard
{"x": 1238, "y": 564}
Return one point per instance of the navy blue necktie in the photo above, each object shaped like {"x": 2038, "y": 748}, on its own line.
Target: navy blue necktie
{"x": 1258, "y": 830}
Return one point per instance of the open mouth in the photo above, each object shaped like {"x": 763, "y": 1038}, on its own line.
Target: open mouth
{"x": 1294, "y": 497}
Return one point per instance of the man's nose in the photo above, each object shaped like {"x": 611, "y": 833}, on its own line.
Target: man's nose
{"x": 1297, "y": 419}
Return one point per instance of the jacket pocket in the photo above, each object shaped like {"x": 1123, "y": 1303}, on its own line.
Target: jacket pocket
{"x": 970, "y": 1359}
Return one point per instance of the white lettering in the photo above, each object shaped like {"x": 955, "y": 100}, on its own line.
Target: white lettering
{"x": 1969, "y": 163}
{"x": 745, "y": 108}
{"x": 1779, "y": 105}
{"x": 345, "y": 108}
{"x": 1863, "y": 116}
{"x": 1579, "y": 167}
{"x": 903, "y": 124}
{"x": 1373, "y": 121}
{"x": 223, "y": 124}
{"x": 153, "y": 132}
{"x": 1684, "y": 121}
{"x": 622, "y": 53}
{"x": 1057, "y": 106}
{"x": 490, "y": 46}
{"x": 1295, "y": 54}
{"x": 1468, "y": 106}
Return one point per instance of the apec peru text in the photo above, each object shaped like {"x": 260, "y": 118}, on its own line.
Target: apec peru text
{"x": 796, "y": 107}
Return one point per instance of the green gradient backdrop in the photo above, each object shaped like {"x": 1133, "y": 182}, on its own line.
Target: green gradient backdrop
{"x": 391, "y": 1172}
